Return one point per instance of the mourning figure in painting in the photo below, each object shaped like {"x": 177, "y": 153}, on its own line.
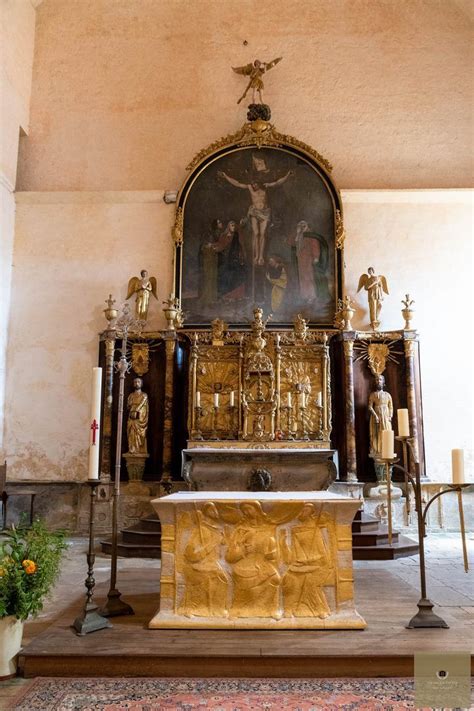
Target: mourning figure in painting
{"x": 205, "y": 591}
{"x": 137, "y": 422}
{"x": 312, "y": 256}
{"x": 208, "y": 260}
{"x": 278, "y": 278}
{"x": 309, "y": 567}
{"x": 252, "y": 552}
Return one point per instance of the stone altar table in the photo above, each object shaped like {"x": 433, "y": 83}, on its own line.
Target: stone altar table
{"x": 265, "y": 560}
{"x": 230, "y": 468}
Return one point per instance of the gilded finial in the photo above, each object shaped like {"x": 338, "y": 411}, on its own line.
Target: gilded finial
{"x": 407, "y": 312}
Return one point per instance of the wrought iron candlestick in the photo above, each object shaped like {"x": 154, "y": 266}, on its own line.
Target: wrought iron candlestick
{"x": 425, "y": 617}
{"x": 90, "y": 620}
{"x": 126, "y": 325}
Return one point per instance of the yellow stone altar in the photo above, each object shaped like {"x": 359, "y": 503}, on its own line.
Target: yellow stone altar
{"x": 249, "y": 560}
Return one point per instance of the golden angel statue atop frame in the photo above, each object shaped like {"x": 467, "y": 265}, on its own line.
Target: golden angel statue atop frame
{"x": 375, "y": 286}
{"x": 255, "y": 70}
{"x": 142, "y": 286}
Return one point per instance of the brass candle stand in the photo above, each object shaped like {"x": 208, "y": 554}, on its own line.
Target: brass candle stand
{"x": 126, "y": 325}
{"x": 90, "y": 620}
{"x": 425, "y": 617}
{"x": 304, "y": 435}
{"x": 232, "y": 417}
{"x": 215, "y": 410}
{"x": 198, "y": 413}
{"x": 289, "y": 421}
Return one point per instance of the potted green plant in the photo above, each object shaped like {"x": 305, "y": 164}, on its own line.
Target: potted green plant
{"x": 30, "y": 562}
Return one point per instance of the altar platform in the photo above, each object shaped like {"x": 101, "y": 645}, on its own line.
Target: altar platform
{"x": 386, "y": 596}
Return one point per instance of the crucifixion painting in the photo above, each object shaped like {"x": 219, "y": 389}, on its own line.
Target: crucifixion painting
{"x": 259, "y": 230}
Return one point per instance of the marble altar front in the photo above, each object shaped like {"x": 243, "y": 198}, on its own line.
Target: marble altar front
{"x": 256, "y": 561}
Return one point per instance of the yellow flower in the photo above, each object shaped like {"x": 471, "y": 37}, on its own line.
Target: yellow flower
{"x": 29, "y": 566}
{"x": 2, "y": 572}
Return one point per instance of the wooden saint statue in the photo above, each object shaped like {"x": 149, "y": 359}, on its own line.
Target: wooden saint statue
{"x": 142, "y": 286}
{"x": 375, "y": 287}
{"x": 137, "y": 423}
{"x": 255, "y": 70}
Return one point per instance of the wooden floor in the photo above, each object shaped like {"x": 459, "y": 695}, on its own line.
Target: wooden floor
{"x": 385, "y": 648}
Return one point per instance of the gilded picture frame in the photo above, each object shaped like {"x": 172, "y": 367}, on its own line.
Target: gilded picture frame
{"x": 258, "y": 223}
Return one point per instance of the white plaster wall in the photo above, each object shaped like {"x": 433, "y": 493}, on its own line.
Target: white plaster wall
{"x": 72, "y": 249}
{"x": 17, "y": 32}
{"x": 125, "y": 92}
{"x": 422, "y": 241}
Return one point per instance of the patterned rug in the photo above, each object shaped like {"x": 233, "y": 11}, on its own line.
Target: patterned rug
{"x": 120, "y": 694}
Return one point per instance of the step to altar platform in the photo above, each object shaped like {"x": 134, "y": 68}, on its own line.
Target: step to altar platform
{"x": 129, "y": 648}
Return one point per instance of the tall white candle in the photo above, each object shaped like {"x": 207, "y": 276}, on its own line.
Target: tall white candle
{"x": 288, "y": 399}
{"x": 198, "y": 398}
{"x": 216, "y": 399}
{"x": 403, "y": 423}
{"x": 387, "y": 444}
{"x": 94, "y": 423}
{"x": 319, "y": 400}
{"x": 232, "y": 398}
{"x": 457, "y": 458}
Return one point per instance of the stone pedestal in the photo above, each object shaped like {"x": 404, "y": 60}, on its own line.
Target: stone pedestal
{"x": 135, "y": 465}
{"x": 242, "y": 560}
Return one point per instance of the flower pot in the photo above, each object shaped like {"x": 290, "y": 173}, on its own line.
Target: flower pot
{"x": 11, "y": 633}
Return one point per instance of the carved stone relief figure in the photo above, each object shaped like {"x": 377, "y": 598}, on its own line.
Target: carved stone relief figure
{"x": 205, "y": 592}
{"x": 252, "y": 552}
{"x": 309, "y": 567}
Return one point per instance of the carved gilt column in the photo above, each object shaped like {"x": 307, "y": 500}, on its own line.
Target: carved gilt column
{"x": 170, "y": 343}
{"x": 350, "y": 412}
{"x": 410, "y": 351}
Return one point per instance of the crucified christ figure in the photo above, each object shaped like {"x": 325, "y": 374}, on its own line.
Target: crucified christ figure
{"x": 259, "y": 211}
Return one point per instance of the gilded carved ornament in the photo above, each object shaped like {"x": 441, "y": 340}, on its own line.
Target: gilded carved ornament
{"x": 340, "y": 231}
{"x": 258, "y": 133}
{"x": 140, "y": 358}
{"x": 377, "y": 355}
{"x": 177, "y": 231}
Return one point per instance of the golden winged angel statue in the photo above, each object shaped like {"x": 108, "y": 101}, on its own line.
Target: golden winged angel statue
{"x": 142, "y": 286}
{"x": 375, "y": 286}
{"x": 255, "y": 71}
